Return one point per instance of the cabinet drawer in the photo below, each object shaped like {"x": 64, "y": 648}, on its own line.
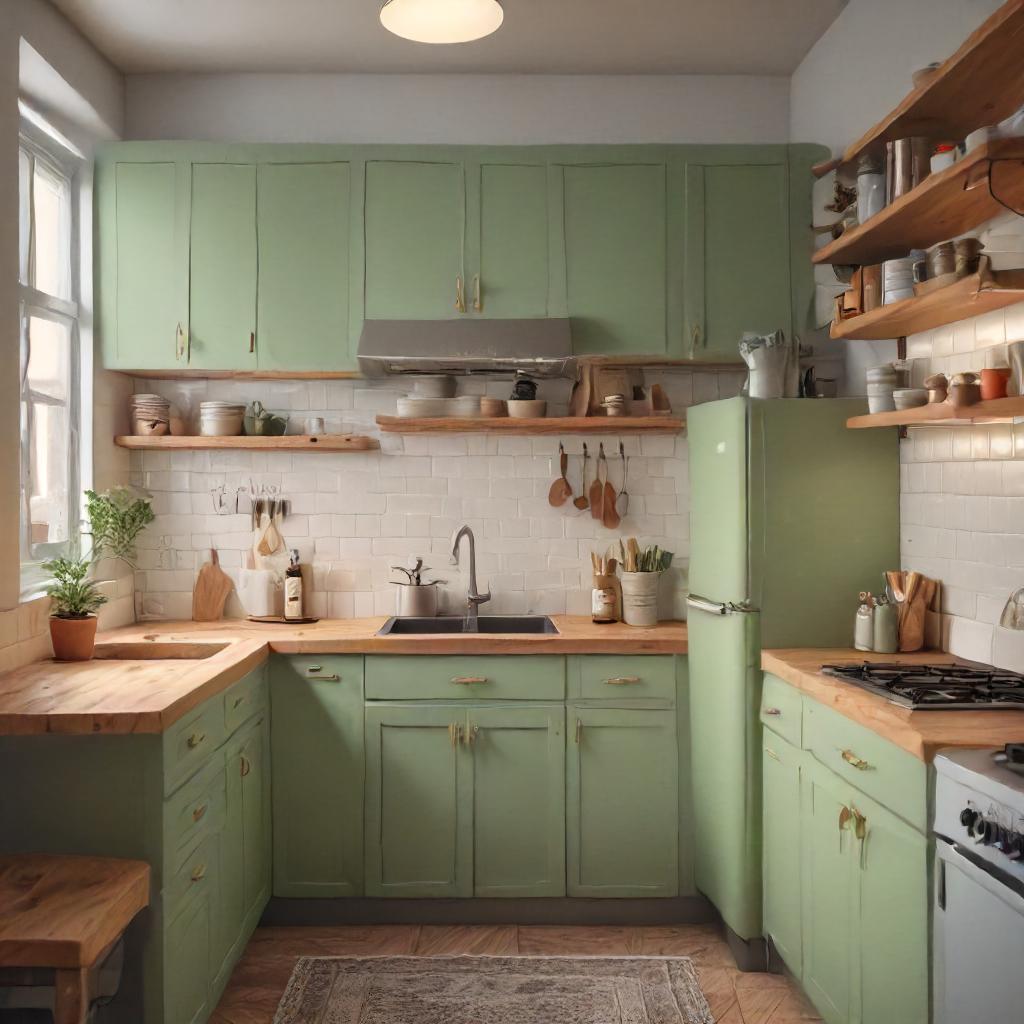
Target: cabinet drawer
{"x": 782, "y": 709}
{"x": 862, "y": 758}
{"x": 243, "y": 700}
{"x": 469, "y": 677}
{"x": 623, "y": 677}
{"x": 196, "y": 875}
{"x": 189, "y": 742}
{"x": 198, "y": 807}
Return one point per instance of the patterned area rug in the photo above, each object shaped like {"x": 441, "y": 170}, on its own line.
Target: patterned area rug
{"x": 493, "y": 990}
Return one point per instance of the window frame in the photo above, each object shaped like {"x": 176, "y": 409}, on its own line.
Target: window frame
{"x": 45, "y": 149}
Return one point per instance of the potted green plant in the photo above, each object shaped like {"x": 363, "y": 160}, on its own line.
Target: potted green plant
{"x": 74, "y": 599}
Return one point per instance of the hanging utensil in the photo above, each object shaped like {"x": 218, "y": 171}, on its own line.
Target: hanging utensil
{"x": 622, "y": 501}
{"x": 561, "y": 490}
{"x": 609, "y": 517}
{"x": 597, "y": 487}
{"x": 583, "y": 502}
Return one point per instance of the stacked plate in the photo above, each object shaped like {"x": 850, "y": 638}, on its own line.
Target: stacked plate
{"x": 882, "y": 381}
{"x": 220, "y": 419}
{"x": 897, "y": 280}
{"x": 150, "y": 415}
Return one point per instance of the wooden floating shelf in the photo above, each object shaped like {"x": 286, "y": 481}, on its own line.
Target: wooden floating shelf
{"x": 998, "y": 410}
{"x": 970, "y": 296}
{"x": 982, "y": 83}
{"x": 943, "y": 206}
{"x": 548, "y": 425}
{"x": 285, "y": 443}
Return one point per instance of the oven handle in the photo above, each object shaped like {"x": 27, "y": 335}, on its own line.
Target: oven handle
{"x": 997, "y": 881}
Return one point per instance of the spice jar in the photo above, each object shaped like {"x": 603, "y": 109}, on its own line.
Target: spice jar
{"x": 605, "y": 605}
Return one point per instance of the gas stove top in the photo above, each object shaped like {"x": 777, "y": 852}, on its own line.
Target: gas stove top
{"x": 936, "y": 687}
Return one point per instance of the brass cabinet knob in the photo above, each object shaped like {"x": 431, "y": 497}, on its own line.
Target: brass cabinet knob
{"x": 623, "y": 681}
{"x": 195, "y": 739}
{"x": 857, "y": 762}
{"x": 198, "y": 813}
{"x": 198, "y": 872}
{"x": 469, "y": 680}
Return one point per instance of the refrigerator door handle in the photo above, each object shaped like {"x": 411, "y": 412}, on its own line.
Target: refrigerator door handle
{"x": 704, "y": 604}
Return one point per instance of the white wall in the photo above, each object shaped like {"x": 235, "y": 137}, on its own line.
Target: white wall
{"x": 459, "y": 109}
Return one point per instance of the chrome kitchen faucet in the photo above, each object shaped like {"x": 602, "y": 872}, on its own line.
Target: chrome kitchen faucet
{"x": 474, "y": 598}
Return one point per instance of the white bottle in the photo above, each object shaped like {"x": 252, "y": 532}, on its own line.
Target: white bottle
{"x": 293, "y": 588}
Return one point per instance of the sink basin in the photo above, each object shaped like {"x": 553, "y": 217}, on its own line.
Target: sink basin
{"x": 156, "y": 650}
{"x": 412, "y": 626}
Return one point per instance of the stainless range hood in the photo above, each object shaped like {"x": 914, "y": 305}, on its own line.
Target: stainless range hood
{"x": 540, "y": 347}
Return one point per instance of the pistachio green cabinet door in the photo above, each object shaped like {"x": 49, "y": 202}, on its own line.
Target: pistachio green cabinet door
{"x": 508, "y": 250}
{"x": 737, "y": 275}
{"x": 248, "y": 774}
{"x": 893, "y": 927}
{"x": 518, "y": 807}
{"x": 316, "y": 744}
{"x": 781, "y": 851}
{"x": 414, "y": 226}
{"x": 142, "y": 262}
{"x": 419, "y": 789}
{"x": 616, "y": 227}
{"x": 828, "y": 867}
{"x": 304, "y": 232}
{"x": 622, "y": 802}
{"x": 187, "y": 952}
{"x": 223, "y": 261}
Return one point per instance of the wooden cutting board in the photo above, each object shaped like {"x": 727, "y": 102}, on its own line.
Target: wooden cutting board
{"x": 211, "y": 591}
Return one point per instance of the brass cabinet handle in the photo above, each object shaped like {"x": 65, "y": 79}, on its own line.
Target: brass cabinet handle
{"x": 239, "y": 701}
{"x": 313, "y": 671}
{"x": 857, "y": 762}
{"x": 695, "y": 334}
{"x": 579, "y": 729}
{"x": 623, "y": 681}
{"x": 860, "y": 823}
{"x": 471, "y": 734}
{"x": 195, "y": 739}
{"x": 252, "y": 342}
{"x": 179, "y": 342}
{"x": 198, "y": 872}
{"x": 771, "y": 753}
{"x": 844, "y": 819}
{"x": 245, "y": 766}
{"x": 478, "y": 303}
{"x": 454, "y": 734}
{"x": 772, "y": 712}
{"x": 469, "y": 680}
{"x": 460, "y": 300}
{"x": 198, "y": 813}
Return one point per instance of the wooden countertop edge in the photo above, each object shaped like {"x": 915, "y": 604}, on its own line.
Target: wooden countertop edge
{"x": 921, "y": 733}
{"x": 251, "y": 645}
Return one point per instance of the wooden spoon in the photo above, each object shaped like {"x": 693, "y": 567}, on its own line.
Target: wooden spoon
{"x": 597, "y": 488}
{"x": 609, "y": 517}
{"x": 583, "y": 502}
{"x": 561, "y": 491}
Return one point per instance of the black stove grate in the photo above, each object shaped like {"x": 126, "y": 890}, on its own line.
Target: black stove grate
{"x": 931, "y": 687}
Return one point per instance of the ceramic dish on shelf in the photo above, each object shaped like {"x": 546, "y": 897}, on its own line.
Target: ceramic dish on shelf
{"x": 909, "y": 398}
{"x": 493, "y": 407}
{"x": 463, "y": 407}
{"x": 527, "y": 409}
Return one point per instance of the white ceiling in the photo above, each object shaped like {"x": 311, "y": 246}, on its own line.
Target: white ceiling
{"x": 539, "y": 36}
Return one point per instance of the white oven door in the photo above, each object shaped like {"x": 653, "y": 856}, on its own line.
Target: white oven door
{"x": 978, "y": 940}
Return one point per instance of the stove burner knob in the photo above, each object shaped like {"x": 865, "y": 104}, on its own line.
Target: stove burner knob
{"x": 968, "y": 816}
{"x": 983, "y": 831}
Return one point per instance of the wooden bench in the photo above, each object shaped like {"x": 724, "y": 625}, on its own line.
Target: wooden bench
{"x": 60, "y": 916}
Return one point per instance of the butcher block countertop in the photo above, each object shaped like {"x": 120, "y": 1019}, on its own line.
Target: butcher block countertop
{"x": 922, "y": 733}
{"x": 112, "y": 695}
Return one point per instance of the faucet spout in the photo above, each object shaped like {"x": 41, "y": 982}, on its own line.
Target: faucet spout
{"x": 474, "y": 598}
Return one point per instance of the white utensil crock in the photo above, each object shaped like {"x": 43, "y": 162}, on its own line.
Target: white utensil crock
{"x": 640, "y": 598}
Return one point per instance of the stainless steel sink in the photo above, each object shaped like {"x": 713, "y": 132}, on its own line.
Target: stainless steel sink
{"x": 413, "y": 626}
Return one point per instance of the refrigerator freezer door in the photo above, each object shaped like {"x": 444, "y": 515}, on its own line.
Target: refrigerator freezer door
{"x": 824, "y": 518}
{"x": 725, "y": 695}
{"x": 717, "y": 435}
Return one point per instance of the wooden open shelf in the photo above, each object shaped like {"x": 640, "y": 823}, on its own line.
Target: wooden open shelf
{"x": 999, "y": 410}
{"x": 982, "y": 83}
{"x": 970, "y": 296}
{"x": 288, "y": 442}
{"x": 548, "y": 425}
{"x": 943, "y": 206}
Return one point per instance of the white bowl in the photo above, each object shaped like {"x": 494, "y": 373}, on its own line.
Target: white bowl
{"x": 910, "y": 398}
{"x": 523, "y": 409}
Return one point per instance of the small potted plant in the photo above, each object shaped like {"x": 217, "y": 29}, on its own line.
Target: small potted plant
{"x": 74, "y": 600}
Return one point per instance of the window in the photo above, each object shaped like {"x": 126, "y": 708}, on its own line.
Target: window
{"x": 50, "y": 360}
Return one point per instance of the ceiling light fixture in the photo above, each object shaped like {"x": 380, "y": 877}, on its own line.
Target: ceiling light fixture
{"x": 442, "y": 21}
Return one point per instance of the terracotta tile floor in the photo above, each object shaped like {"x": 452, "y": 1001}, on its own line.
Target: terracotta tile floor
{"x": 735, "y": 998}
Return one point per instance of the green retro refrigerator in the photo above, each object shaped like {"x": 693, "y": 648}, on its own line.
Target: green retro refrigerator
{"x": 791, "y": 515}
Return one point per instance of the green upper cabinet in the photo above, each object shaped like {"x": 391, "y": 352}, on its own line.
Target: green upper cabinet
{"x": 222, "y": 267}
{"x": 616, "y": 244}
{"x": 508, "y": 242}
{"x": 317, "y": 763}
{"x": 142, "y": 262}
{"x": 414, "y": 224}
{"x": 737, "y": 245}
{"x": 304, "y": 212}
{"x": 622, "y": 802}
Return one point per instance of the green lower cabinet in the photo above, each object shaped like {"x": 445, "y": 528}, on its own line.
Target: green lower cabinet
{"x": 188, "y": 950}
{"x": 622, "y": 802}
{"x": 780, "y": 860}
{"x": 419, "y": 796}
{"x": 317, "y": 762}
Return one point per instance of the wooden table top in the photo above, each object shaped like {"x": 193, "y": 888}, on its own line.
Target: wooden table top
{"x": 64, "y": 911}
{"x": 146, "y": 695}
{"x": 922, "y": 733}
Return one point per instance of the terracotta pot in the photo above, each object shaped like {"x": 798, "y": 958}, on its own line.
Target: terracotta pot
{"x": 994, "y": 382}
{"x": 73, "y": 639}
